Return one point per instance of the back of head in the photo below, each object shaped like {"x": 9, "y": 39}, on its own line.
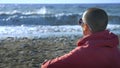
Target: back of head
{"x": 96, "y": 19}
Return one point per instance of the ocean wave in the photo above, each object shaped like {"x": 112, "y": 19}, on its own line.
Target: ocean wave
{"x": 37, "y": 13}
{"x": 42, "y": 10}
{"x": 18, "y": 18}
{"x": 114, "y": 19}
{"x": 39, "y": 19}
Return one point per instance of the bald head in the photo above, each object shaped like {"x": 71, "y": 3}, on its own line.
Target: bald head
{"x": 96, "y": 19}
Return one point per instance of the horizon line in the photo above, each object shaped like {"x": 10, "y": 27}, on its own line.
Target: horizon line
{"x": 59, "y": 3}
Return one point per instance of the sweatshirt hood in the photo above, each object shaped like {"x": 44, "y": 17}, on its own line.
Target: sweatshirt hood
{"x": 104, "y": 38}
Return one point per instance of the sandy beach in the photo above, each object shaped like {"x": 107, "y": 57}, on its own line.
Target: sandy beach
{"x": 30, "y": 53}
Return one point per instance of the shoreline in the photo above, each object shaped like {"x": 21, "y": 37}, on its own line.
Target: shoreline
{"x": 31, "y": 52}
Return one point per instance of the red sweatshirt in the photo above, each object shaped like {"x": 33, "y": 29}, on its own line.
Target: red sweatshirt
{"x": 99, "y": 50}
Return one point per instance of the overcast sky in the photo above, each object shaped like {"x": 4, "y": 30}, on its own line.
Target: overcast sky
{"x": 59, "y": 1}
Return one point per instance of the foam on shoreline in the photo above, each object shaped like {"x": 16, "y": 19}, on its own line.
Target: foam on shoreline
{"x": 46, "y": 31}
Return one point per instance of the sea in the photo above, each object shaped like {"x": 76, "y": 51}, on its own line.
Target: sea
{"x": 50, "y": 20}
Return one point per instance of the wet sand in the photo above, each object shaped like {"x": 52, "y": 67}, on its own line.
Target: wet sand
{"x": 30, "y": 53}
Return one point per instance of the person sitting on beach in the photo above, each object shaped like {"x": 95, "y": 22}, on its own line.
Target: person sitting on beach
{"x": 98, "y": 48}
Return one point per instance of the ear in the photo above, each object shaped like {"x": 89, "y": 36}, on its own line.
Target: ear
{"x": 86, "y": 29}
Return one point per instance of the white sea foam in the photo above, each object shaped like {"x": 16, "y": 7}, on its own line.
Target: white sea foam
{"x": 46, "y": 31}
{"x": 42, "y": 10}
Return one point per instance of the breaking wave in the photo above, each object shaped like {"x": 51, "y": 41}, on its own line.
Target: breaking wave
{"x": 17, "y": 18}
